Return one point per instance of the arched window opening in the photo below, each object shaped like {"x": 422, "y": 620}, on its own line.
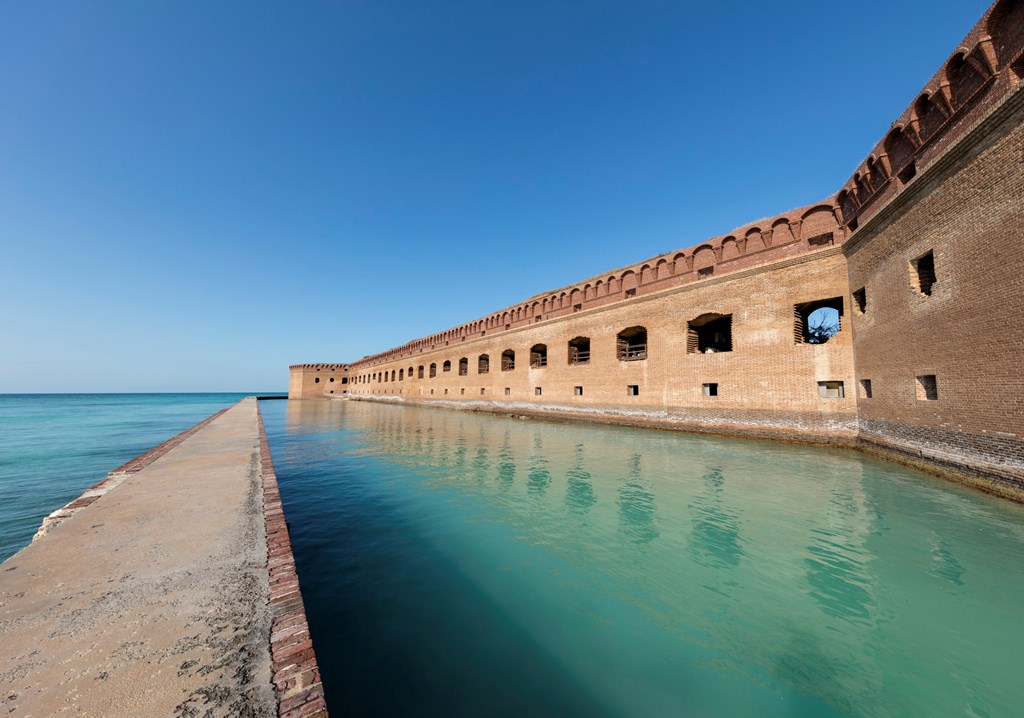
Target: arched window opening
{"x": 631, "y": 344}
{"x": 483, "y": 364}
{"x": 508, "y": 360}
{"x": 392, "y": 375}
{"x": 929, "y": 117}
{"x": 447, "y": 366}
{"x": 433, "y": 370}
{"x": 579, "y": 350}
{"x": 419, "y": 372}
{"x": 538, "y": 356}
{"x": 876, "y": 174}
{"x": 817, "y": 322}
{"x": 401, "y": 375}
{"x": 463, "y": 366}
{"x": 901, "y": 149}
{"x": 1004, "y": 25}
{"x": 709, "y": 334}
{"x": 964, "y": 80}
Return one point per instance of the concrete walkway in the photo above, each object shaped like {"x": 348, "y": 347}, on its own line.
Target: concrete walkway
{"x": 153, "y": 599}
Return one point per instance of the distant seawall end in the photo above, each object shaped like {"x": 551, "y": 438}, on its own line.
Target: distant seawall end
{"x": 167, "y": 589}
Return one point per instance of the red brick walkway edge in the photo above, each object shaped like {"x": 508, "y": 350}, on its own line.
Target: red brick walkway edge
{"x": 296, "y": 676}
{"x": 115, "y": 477}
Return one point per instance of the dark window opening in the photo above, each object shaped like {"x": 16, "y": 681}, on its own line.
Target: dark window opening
{"x": 539, "y": 356}
{"x": 860, "y": 300}
{"x": 536, "y": 391}
{"x": 446, "y": 392}
{"x": 577, "y": 391}
{"x": 1018, "y": 67}
{"x": 577, "y": 308}
{"x": 447, "y": 366}
{"x": 508, "y": 391}
{"x": 401, "y": 375}
{"x": 705, "y": 272}
{"x": 508, "y": 360}
{"x": 482, "y": 390}
{"x": 632, "y": 390}
{"x": 852, "y": 224}
{"x": 463, "y": 366}
{"x": 865, "y": 388}
{"x": 316, "y": 380}
{"x": 579, "y": 350}
{"x": 907, "y": 173}
{"x": 393, "y": 375}
{"x": 331, "y": 380}
{"x": 433, "y": 371}
{"x": 922, "y": 273}
{"x": 817, "y": 322}
{"x": 630, "y": 293}
{"x": 631, "y": 344}
{"x": 821, "y": 240}
{"x": 927, "y": 388}
{"x": 462, "y": 391}
{"x": 831, "y": 390}
{"x": 483, "y": 364}
{"x": 709, "y": 334}
{"x": 419, "y": 372}
{"x": 711, "y": 389}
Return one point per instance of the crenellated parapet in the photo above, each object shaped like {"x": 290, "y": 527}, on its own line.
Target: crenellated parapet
{"x": 792, "y": 233}
{"x": 984, "y": 68}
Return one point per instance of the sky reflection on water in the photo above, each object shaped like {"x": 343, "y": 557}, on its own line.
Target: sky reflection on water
{"x": 461, "y": 564}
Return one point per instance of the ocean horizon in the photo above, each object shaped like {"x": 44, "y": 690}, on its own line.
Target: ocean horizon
{"x": 53, "y": 446}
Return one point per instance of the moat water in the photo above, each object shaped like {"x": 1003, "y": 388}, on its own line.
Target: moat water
{"x": 468, "y": 565}
{"x": 55, "y": 446}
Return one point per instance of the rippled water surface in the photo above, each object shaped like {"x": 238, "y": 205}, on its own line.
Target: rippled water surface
{"x": 467, "y": 565}
{"x": 54, "y": 446}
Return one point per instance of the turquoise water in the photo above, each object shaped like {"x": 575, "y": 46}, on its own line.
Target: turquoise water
{"x": 467, "y": 565}
{"x": 54, "y": 446}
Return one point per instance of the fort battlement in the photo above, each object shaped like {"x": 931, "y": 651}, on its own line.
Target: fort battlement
{"x": 986, "y": 65}
{"x": 915, "y": 258}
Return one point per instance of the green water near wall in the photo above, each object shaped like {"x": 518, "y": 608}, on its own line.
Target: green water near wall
{"x": 460, "y": 564}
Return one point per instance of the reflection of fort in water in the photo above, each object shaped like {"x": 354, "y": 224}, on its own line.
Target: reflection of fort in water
{"x": 689, "y": 526}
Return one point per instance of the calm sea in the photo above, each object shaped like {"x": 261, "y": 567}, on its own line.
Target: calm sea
{"x": 54, "y": 446}
{"x": 467, "y": 565}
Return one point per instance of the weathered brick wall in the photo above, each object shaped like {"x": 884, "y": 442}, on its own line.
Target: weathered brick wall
{"x": 767, "y": 384}
{"x": 317, "y": 381}
{"x": 968, "y": 210}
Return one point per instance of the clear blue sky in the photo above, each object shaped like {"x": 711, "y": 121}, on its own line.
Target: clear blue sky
{"x": 195, "y": 195}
